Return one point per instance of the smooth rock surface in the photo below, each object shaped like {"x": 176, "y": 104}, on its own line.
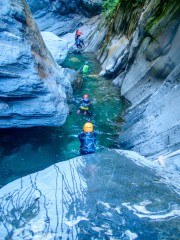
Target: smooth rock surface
{"x": 62, "y": 16}
{"x": 104, "y": 196}
{"x": 142, "y": 56}
{"x": 57, "y": 46}
{"x": 33, "y": 88}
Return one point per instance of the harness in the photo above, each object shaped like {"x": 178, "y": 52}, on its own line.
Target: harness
{"x": 84, "y": 108}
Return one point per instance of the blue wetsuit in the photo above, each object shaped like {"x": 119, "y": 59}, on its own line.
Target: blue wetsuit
{"x": 88, "y": 142}
{"x": 85, "y": 102}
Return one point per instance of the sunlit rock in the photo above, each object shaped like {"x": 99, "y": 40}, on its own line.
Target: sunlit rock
{"x": 57, "y": 46}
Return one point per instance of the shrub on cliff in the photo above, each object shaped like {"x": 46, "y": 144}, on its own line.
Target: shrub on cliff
{"x": 109, "y": 6}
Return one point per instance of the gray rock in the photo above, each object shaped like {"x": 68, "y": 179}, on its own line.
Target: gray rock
{"x": 33, "y": 88}
{"x": 63, "y": 16}
{"x": 146, "y": 70}
{"x": 57, "y": 46}
{"x": 91, "y": 7}
{"x": 96, "y": 39}
{"x": 101, "y": 195}
{"x": 156, "y": 129}
{"x": 65, "y": 7}
{"x": 116, "y": 56}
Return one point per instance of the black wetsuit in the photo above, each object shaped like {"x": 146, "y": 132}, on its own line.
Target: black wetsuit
{"x": 88, "y": 142}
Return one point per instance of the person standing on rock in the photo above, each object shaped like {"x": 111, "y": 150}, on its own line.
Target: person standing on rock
{"x": 87, "y": 139}
{"x": 79, "y": 42}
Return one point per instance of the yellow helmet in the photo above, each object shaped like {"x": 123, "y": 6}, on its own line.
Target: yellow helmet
{"x": 88, "y": 127}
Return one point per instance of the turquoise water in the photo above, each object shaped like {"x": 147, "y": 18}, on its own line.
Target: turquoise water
{"x": 24, "y": 151}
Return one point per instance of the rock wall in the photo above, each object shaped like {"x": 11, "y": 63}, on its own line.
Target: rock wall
{"x": 33, "y": 88}
{"x": 139, "y": 49}
{"x": 63, "y": 16}
{"x": 86, "y": 7}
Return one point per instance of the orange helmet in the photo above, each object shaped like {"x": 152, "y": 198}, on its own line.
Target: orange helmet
{"x": 85, "y": 96}
{"x": 88, "y": 127}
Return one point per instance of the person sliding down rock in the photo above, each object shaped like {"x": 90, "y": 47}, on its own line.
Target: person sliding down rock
{"x": 87, "y": 139}
{"x": 84, "y": 105}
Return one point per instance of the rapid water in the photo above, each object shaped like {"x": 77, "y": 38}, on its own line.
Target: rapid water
{"x": 24, "y": 151}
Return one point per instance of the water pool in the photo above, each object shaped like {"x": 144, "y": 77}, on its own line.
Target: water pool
{"x": 24, "y": 151}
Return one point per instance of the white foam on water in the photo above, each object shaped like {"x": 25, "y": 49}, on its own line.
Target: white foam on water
{"x": 118, "y": 210}
{"x": 142, "y": 212}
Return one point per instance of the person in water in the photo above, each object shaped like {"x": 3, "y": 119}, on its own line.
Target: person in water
{"x": 84, "y": 106}
{"x": 85, "y": 68}
{"x": 87, "y": 139}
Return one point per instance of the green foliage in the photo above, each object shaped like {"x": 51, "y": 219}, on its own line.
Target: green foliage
{"x": 109, "y": 6}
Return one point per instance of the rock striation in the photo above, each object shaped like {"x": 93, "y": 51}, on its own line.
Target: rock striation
{"x": 139, "y": 49}
{"x": 33, "y": 89}
{"x": 63, "y": 16}
{"x": 104, "y": 195}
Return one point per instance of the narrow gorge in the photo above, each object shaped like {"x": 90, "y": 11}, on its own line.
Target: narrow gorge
{"x": 129, "y": 188}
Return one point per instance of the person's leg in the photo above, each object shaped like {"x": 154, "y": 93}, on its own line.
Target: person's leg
{"x": 82, "y": 42}
{"x": 78, "y": 111}
{"x": 80, "y": 46}
{"x": 83, "y": 152}
{"x": 88, "y": 113}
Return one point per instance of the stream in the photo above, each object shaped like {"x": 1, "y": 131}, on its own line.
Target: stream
{"x": 25, "y": 151}
{"x": 102, "y": 196}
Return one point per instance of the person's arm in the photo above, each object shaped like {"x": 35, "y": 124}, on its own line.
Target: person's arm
{"x": 80, "y": 69}
{"x": 80, "y": 136}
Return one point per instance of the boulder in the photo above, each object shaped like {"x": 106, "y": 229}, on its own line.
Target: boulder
{"x": 33, "y": 89}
